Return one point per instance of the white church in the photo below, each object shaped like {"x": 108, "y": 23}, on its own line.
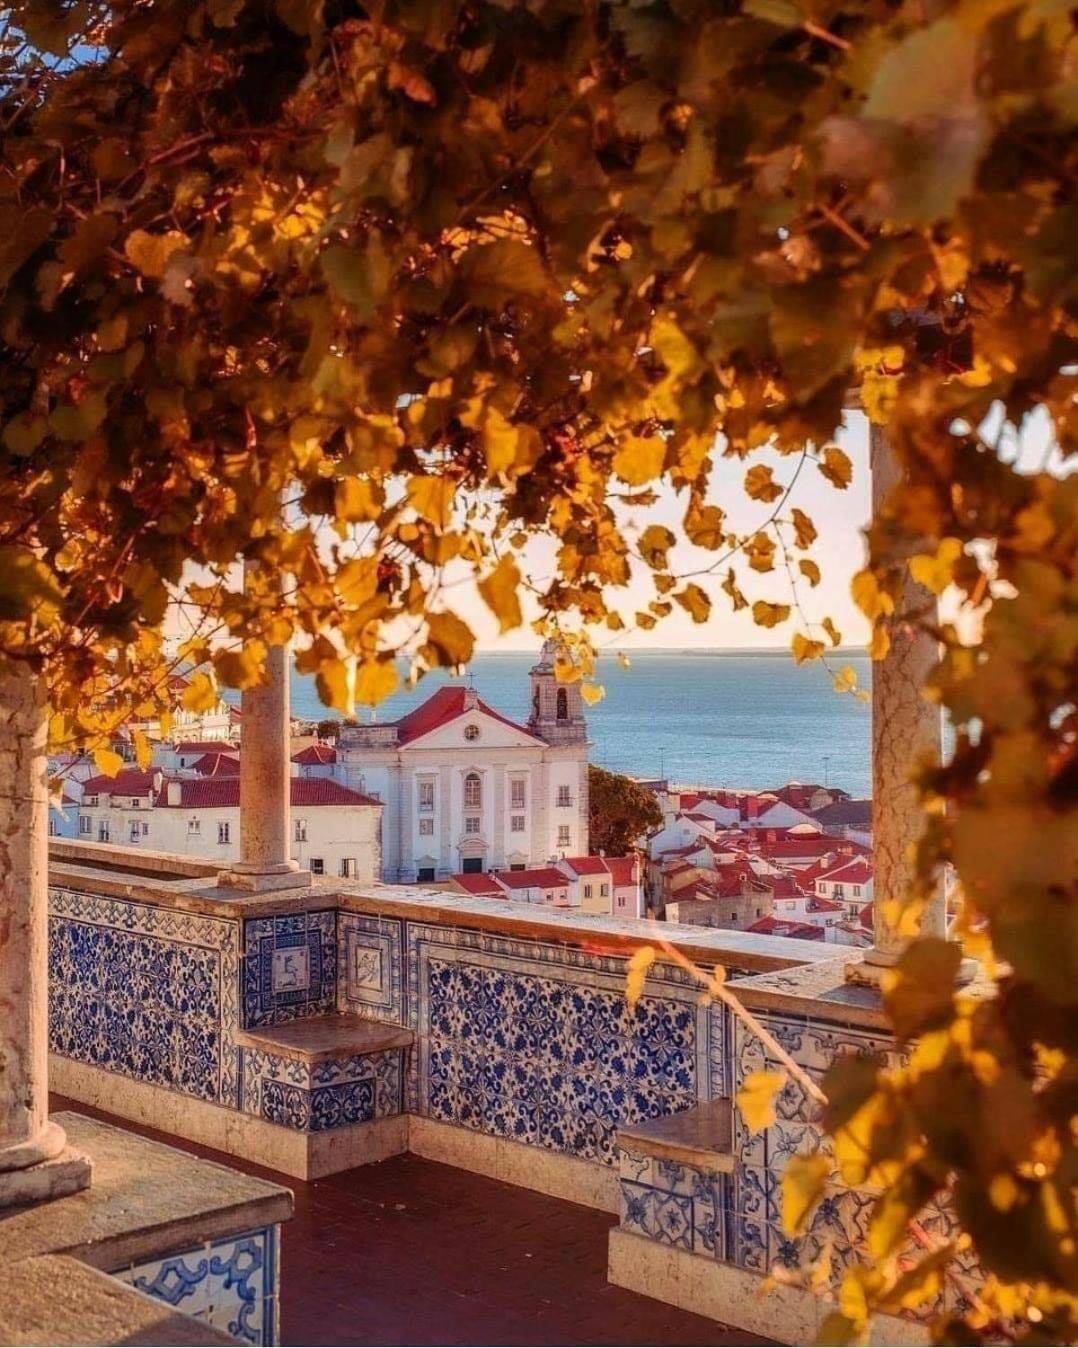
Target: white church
{"x": 465, "y": 789}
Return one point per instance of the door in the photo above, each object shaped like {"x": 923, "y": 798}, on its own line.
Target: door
{"x": 472, "y": 865}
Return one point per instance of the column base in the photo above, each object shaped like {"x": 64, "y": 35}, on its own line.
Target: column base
{"x": 50, "y": 1141}
{"x": 65, "y": 1174}
{"x": 261, "y": 882}
{"x": 868, "y": 972}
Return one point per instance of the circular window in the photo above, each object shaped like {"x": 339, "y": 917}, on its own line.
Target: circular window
{"x": 471, "y": 732}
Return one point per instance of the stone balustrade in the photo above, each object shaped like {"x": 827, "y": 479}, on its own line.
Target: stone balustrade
{"x": 318, "y": 1028}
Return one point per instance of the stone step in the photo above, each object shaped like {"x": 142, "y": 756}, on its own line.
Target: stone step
{"x": 318, "y": 1039}
{"x": 700, "y": 1137}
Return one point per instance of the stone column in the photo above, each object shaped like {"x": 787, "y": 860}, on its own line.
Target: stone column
{"x": 906, "y": 729}
{"x": 35, "y": 1162}
{"x": 265, "y": 784}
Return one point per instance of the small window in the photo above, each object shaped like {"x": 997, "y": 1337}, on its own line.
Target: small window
{"x": 135, "y": 802}
{"x": 53, "y": 830}
{"x": 587, "y": 891}
{"x": 471, "y": 823}
{"x": 145, "y": 828}
{"x": 563, "y": 835}
{"x": 516, "y": 823}
{"x": 471, "y": 732}
{"x": 86, "y": 824}
{"x": 517, "y": 866}
{"x": 426, "y": 827}
{"x": 194, "y": 826}
{"x": 562, "y": 705}
{"x": 426, "y": 797}
{"x": 857, "y": 891}
{"x": 604, "y": 891}
{"x": 135, "y": 832}
{"x": 473, "y": 791}
{"x": 425, "y": 875}
{"x": 349, "y": 868}
{"x": 318, "y": 866}
{"x": 565, "y": 796}
{"x": 224, "y": 832}
{"x": 517, "y": 793}
{"x": 103, "y": 831}
{"x": 301, "y": 830}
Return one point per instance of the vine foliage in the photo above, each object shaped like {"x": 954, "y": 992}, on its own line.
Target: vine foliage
{"x": 372, "y": 296}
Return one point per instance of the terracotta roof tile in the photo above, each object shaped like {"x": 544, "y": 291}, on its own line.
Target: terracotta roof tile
{"x": 545, "y": 877}
{"x": 208, "y": 793}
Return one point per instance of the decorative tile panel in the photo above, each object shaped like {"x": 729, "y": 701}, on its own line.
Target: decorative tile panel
{"x": 675, "y": 1204}
{"x": 230, "y": 1283}
{"x": 326, "y": 1095}
{"x": 289, "y": 967}
{"x": 534, "y": 1042}
{"x": 146, "y": 992}
{"x": 369, "y": 978}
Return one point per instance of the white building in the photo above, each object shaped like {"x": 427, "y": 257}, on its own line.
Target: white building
{"x": 607, "y": 886}
{"x": 335, "y": 831}
{"x": 465, "y": 789}
{"x": 848, "y": 883}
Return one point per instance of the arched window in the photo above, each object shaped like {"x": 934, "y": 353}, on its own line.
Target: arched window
{"x": 473, "y": 791}
{"x": 563, "y": 705}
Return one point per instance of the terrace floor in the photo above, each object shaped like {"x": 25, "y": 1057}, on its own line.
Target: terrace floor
{"x": 408, "y": 1251}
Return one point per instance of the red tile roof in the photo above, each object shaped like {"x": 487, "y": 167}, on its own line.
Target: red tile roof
{"x": 204, "y": 747}
{"x": 543, "y": 877}
{"x": 587, "y": 865}
{"x": 850, "y": 872}
{"x": 209, "y": 793}
{"x": 775, "y": 926}
{"x": 482, "y": 886}
{"x": 127, "y": 782}
{"x": 810, "y": 845}
{"x": 217, "y": 765}
{"x": 316, "y": 753}
{"x": 867, "y": 916}
{"x": 443, "y": 707}
{"x": 821, "y": 905}
{"x": 621, "y": 868}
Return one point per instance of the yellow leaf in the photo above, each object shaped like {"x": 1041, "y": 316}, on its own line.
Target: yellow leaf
{"x": 1003, "y": 1192}
{"x": 880, "y": 643}
{"x": 836, "y": 467}
{"x": 150, "y": 253}
{"x": 935, "y": 573}
{"x": 241, "y": 668}
{"x": 636, "y": 972}
{"x": 335, "y": 681}
{"x": 832, "y": 631}
{"x": 760, "y": 483}
{"x": 809, "y": 570}
{"x": 592, "y": 693}
{"x": 451, "y": 638}
{"x": 869, "y": 598}
{"x": 107, "y": 762}
{"x": 802, "y": 1188}
{"x": 804, "y": 529}
{"x": 432, "y": 499}
{"x": 358, "y": 499}
{"x": 695, "y": 602}
{"x": 143, "y": 749}
{"x": 805, "y": 649}
{"x": 756, "y": 1099}
{"x": 769, "y": 615}
{"x": 845, "y": 681}
{"x": 638, "y": 460}
{"x": 704, "y": 526}
{"x": 655, "y": 542}
{"x": 375, "y": 681}
{"x": 200, "y": 693}
{"x": 501, "y": 594}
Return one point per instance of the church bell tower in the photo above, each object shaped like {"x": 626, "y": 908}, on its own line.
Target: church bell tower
{"x": 557, "y": 709}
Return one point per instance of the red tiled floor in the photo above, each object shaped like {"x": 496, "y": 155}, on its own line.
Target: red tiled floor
{"x": 411, "y": 1252}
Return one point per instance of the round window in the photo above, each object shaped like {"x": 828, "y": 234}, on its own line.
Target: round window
{"x": 471, "y": 732}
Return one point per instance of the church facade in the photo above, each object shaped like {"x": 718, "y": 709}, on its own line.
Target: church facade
{"x": 465, "y": 789}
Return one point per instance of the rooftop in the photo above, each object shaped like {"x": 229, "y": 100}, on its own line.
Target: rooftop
{"x": 207, "y": 793}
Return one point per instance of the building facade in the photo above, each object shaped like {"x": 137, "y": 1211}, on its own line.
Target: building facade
{"x": 467, "y": 790}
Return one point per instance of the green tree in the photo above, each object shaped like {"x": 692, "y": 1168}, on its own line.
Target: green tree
{"x": 449, "y": 276}
{"x": 620, "y": 812}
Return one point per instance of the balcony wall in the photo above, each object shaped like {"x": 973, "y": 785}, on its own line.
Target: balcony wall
{"x": 525, "y": 1060}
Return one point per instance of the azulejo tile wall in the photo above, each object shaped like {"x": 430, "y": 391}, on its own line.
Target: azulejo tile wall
{"x": 314, "y": 1098}
{"x": 231, "y": 1284}
{"x": 289, "y": 967}
{"x": 534, "y": 1042}
{"x": 369, "y": 954}
{"x": 676, "y": 1204}
{"x": 144, "y": 991}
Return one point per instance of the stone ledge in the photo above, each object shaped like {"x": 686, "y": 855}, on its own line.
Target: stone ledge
{"x": 325, "y": 1038}
{"x": 701, "y": 1137}
{"x": 147, "y": 1200}
{"x": 53, "y": 1299}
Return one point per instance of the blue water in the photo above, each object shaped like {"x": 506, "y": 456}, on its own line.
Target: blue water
{"x": 749, "y": 719}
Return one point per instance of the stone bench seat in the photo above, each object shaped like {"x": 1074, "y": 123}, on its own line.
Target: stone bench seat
{"x": 320, "y": 1039}
{"x": 701, "y": 1137}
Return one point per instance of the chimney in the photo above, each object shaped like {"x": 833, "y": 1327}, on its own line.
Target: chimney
{"x": 158, "y": 778}
{"x": 174, "y": 793}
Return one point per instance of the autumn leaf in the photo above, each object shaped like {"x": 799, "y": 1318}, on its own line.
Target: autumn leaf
{"x": 769, "y": 615}
{"x": 695, "y": 602}
{"x": 592, "y": 692}
{"x": 756, "y": 1099}
{"x": 638, "y": 460}
{"x": 836, "y": 467}
{"x": 143, "y": 749}
{"x": 806, "y": 649}
{"x": 107, "y": 762}
{"x": 500, "y": 591}
{"x": 869, "y": 597}
{"x": 501, "y": 270}
{"x": 636, "y": 972}
{"x": 704, "y": 526}
{"x": 655, "y": 542}
{"x": 150, "y": 253}
{"x": 832, "y": 631}
{"x": 809, "y": 570}
{"x": 358, "y": 499}
{"x": 936, "y": 572}
{"x": 451, "y": 638}
{"x": 335, "y": 681}
{"x": 760, "y": 484}
{"x": 200, "y": 694}
{"x": 375, "y": 681}
{"x": 845, "y": 680}
{"x": 27, "y": 587}
{"x": 803, "y": 1183}
{"x": 804, "y": 529}
{"x": 432, "y": 499}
